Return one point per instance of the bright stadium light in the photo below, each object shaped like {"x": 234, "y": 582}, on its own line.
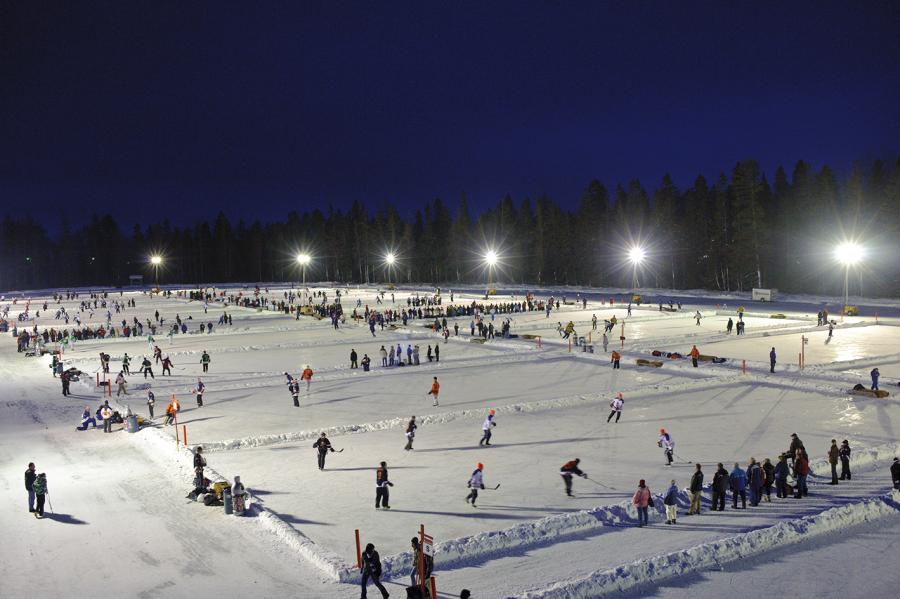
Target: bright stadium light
{"x": 491, "y": 257}
{"x": 303, "y": 260}
{"x": 156, "y": 260}
{"x": 390, "y": 258}
{"x": 848, "y": 253}
{"x": 636, "y": 255}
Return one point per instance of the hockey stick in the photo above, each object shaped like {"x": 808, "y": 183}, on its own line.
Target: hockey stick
{"x": 600, "y": 484}
{"x": 50, "y": 503}
{"x": 490, "y": 489}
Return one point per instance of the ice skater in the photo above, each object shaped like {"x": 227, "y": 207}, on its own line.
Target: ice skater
{"x": 568, "y": 470}
{"x": 167, "y": 365}
{"x": 199, "y": 392}
{"x": 382, "y": 495}
{"x": 410, "y": 433}
{"x": 486, "y": 429}
{"x": 323, "y": 445}
{"x": 307, "y": 375}
{"x": 668, "y": 444}
{"x": 476, "y": 481}
{"x": 616, "y": 407}
{"x": 435, "y": 391}
{"x": 294, "y": 389}
{"x": 697, "y": 317}
{"x": 204, "y": 361}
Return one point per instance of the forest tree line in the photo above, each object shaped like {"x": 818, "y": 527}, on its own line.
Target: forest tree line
{"x": 730, "y": 234}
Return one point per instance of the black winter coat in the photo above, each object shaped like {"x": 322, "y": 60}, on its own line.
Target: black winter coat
{"x": 30, "y": 475}
{"x": 720, "y": 481}
{"x": 697, "y": 482}
{"x": 372, "y": 563}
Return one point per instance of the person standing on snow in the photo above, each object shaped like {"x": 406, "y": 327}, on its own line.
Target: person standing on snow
{"x": 486, "y": 429}
{"x": 323, "y": 445}
{"x": 668, "y": 444}
{"x": 696, "y": 489}
{"x": 106, "y": 413}
{"x": 729, "y": 326}
{"x": 384, "y": 354}
{"x": 238, "y": 497}
{"x": 39, "y": 487}
{"x": 382, "y": 495}
{"x": 353, "y": 357}
{"x": 738, "y": 480}
{"x": 754, "y": 481}
{"x": 641, "y": 500}
{"x": 616, "y": 408}
{"x": 151, "y": 401}
{"x": 568, "y": 469}
{"x": 834, "y": 454}
{"x": 695, "y": 355}
{"x": 772, "y": 357}
{"x": 435, "y": 391}
{"x": 30, "y": 476}
{"x": 781, "y": 474}
{"x": 372, "y": 569}
{"x": 697, "y": 317}
{"x": 476, "y": 481}
{"x": 614, "y": 358}
{"x": 204, "y": 361}
{"x": 845, "y": 460}
{"x": 671, "y": 503}
{"x": 895, "y": 473}
{"x": 719, "y": 488}
{"x": 875, "y": 374}
{"x": 768, "y": 478}
{"x": 199, "y": 392}
{"x": 410, "y": 433}
{"x": 126, "y": 362}
{"x": 307, "y": 375}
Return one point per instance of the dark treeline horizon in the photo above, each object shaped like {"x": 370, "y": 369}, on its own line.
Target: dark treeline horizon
{"x": 730, "y": 234}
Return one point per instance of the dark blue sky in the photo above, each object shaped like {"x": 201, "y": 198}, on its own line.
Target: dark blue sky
{"x": 179, "y": 109}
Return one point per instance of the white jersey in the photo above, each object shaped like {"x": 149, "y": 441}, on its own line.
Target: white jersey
{"x": 476, "y": 482}
{"x": 488, "y": 423}
{"x": 616, "y": 404}
{"x": 666, "y": 441}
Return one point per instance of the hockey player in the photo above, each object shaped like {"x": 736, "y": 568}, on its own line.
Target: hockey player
{"x": 697, "y": 317}
{"x": 435, "y": 391}
{"x": 120, "y": 382}
{"x": 199, "y": 392}
{"x": 307, "y": 375}
{"x": 668, "y": 445}
{"x": 167, "y": 365}
{"x": 382, "y": 495}
{"x": 126, "y": 364}
{"x": 567, "y": 470}
{"x": 147, "y": 368}
{"x": 476, "y": 481}
{"x": 323, "y": 445}
{"x": 410, "y": 433}
{"x": 695, "y": 356}
{"x": 294, "y": 389}
{"x": 616, "y": 407}
{"x": 486, "y": 429}
{"x": 614, "y": 358}
{"x": 204, "y": 361}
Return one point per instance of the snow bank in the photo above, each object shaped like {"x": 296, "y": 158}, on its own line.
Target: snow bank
{"x": 656, "y": 569}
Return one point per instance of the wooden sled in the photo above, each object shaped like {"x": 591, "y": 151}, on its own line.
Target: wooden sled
{"x": 881, "y": 393}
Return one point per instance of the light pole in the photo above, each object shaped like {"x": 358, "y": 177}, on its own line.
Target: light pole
{"x": 156, "y": 261}
{"x": 490, "y": 258}
{"x": 848, "y": 254}
{"x": 389, "y": 260}
{"x": 303, "y": 260}
{"x": 636, "y": 256}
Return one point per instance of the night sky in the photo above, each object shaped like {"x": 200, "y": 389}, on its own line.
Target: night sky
{"x": 153, "y": 110}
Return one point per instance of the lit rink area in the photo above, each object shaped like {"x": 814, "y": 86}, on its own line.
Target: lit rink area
{"x": 551, "y": 402}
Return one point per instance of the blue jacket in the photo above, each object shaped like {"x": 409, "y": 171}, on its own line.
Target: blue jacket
{"x": 671, "y": 495}
{"x": 781, "y": 471}
{"x": 738, "y": 479}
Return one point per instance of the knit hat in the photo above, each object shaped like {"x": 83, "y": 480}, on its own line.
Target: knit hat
{"x": 662, "y": 430}
{"x": 480, "y": 466}
{"x": 491, "y": 412}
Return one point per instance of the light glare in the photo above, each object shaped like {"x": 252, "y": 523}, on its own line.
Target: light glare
{"x": 491, "y": 258}
{"x": 636, "y": 255}
{"x": 849, "y": 253}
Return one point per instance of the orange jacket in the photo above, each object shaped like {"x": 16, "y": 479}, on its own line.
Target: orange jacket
{"x": 171, "y": 408}
{"x": 616, "y": 356}
{"x": 435, "y": 388}
{"x": 695, "y": 353}
{"x": 307, "y": 374}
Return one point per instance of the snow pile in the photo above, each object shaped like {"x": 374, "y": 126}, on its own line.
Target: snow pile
{"x": 708, "y": 555}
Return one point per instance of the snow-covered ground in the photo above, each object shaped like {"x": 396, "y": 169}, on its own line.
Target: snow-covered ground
{"x": 121, "y": 497}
